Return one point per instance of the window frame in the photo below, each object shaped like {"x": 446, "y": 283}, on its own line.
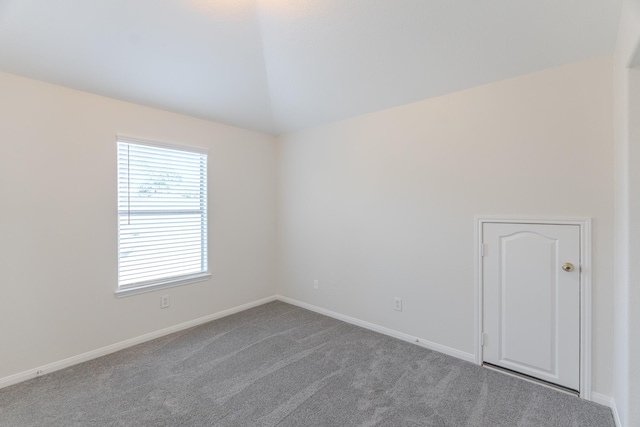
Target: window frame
{"x": 168, "y": 282}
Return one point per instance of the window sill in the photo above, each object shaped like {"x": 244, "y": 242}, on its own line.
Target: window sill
{"x": 162, "y": 284}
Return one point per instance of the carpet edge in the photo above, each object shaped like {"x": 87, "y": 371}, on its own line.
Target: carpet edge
{"x": 459, "y": 354}
{"x": 468, "y": 357}
{"x": 610, "y": 402}
{"x": 112, "y": 348}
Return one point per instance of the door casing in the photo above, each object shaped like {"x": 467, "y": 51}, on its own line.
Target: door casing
{"x": 585, "y": 286}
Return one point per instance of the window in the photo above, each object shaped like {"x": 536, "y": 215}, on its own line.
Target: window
{"x": 162, "y": 215}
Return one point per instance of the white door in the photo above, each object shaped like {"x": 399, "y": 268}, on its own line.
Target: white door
{"x": 531, "y": 300}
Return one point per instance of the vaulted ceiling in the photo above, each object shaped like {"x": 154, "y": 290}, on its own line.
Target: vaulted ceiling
{"x": 277, "y": 66}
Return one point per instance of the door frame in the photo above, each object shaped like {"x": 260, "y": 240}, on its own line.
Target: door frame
{"x": 585, "y": 285}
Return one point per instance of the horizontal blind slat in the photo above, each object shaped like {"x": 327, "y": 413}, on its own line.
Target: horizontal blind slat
{"x": 158, "y": 249}
{"x": 161, "y": 272}
{"x": 158, "y": 235}
{"x": 151, "y": 259}
{"x": 135, "y": 149}
{"x": 152, "y": 150}
{"x": 156, "y": 264}
{"x": 155, "y": 241}
{"x": 158, "y": 227}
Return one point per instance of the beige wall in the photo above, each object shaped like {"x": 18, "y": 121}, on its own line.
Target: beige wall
{"x": 59, "y": 232}
{"x": 383, "y": 205}
{"x": 626, "y": 348}
{"x": 631, "y": 295}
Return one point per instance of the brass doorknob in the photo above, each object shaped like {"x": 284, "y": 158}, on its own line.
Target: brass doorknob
{"x": 567, "y": 266}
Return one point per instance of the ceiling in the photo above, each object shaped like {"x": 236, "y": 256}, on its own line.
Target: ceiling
{"x": 278, "y": 66}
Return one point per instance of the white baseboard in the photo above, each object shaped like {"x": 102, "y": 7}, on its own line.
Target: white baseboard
{"x": 609, "y": 401}
{"x": 616, "y": 415}
{"x": 383, "y": 330}
{"x": 602, "y": 399}
{"x": 74, "y": 360}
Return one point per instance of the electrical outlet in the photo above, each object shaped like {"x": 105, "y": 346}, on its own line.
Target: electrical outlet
{"x": 164, "y": 301}
{"x": 397, "y": 304}
{"x": 315, "y": 284}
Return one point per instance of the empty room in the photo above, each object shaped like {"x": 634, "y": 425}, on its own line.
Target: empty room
{"x": 316, "y": 213}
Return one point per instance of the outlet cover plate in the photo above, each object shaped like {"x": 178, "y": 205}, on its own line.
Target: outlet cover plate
{"x": 164, "y": 301}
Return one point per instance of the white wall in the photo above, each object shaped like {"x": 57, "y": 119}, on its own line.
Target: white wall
{"x": 382, "y": 205}
{"x": 632, "y": 293}
{"x": 59, "y": 232}
{"x": 627, "y": 244}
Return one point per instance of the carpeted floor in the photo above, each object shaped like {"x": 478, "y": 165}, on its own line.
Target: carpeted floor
{"x": 279, "y": 365}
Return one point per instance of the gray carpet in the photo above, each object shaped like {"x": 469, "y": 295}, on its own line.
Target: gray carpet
{"x": 279, "y": 365}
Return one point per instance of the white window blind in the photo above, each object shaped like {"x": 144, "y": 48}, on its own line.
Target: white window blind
{"x": 162, "y": 214}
